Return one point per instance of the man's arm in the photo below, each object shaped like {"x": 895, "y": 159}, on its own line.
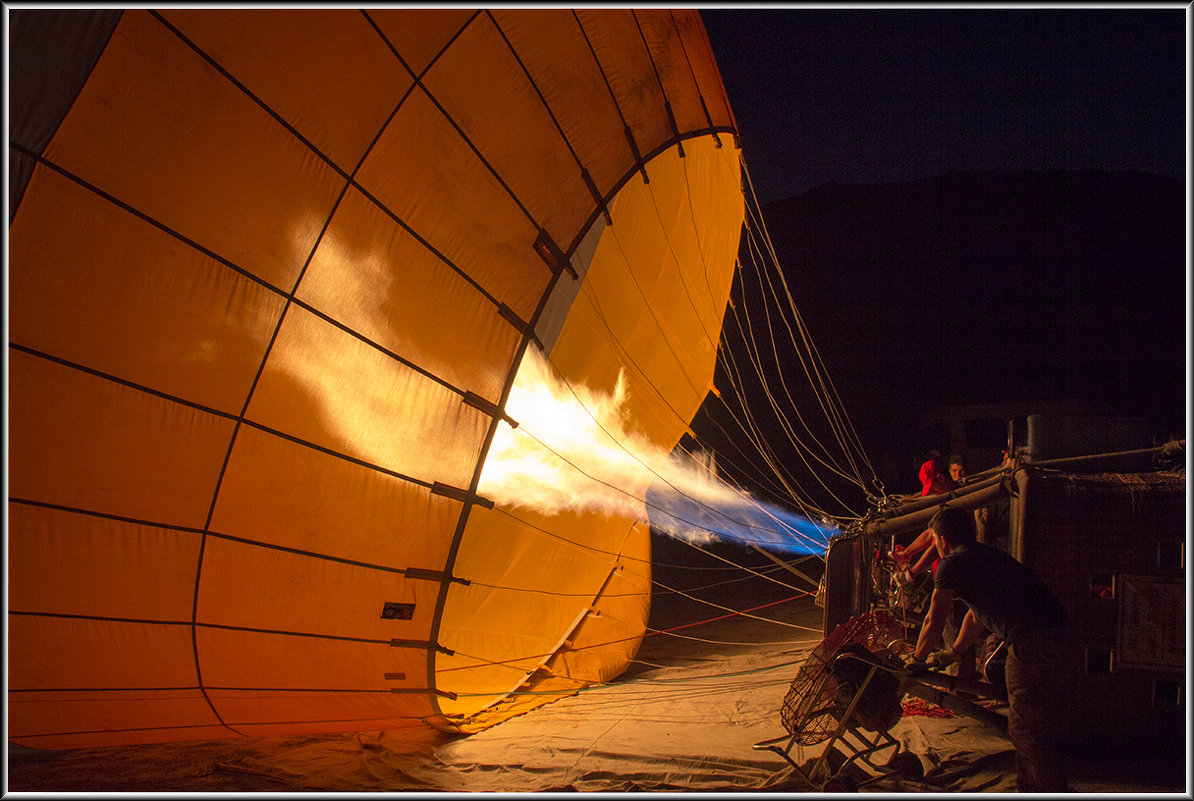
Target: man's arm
{"x": 969, "y": 632}
{"x": 930, "y": 632}
{"x": 922, "y": 564}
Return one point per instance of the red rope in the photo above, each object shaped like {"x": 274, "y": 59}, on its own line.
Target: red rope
{"x": 919, "y": 707}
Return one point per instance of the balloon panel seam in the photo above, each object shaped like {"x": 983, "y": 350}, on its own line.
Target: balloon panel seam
{"x": 409, "y": 572}
{"x": 230, "y": 416}
{"x": 147, "y": 218}
{"x": 247, "y": 93}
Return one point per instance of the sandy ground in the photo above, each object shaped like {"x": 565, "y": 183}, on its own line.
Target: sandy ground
{"x": 684, "y": 717}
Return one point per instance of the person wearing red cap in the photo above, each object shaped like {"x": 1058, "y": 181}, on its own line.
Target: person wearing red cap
{"x": 934, "y": 475}
{"x": 935, "y": 480}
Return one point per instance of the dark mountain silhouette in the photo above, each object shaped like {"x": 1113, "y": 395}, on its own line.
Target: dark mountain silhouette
{"x": 985, "y": 287}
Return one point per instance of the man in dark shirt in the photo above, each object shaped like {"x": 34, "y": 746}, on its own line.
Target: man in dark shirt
{"x": 1008, "y": 599}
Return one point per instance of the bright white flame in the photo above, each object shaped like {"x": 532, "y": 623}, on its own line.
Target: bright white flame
{"x": 571, "y": 450}
{"x": 575, "y": 450}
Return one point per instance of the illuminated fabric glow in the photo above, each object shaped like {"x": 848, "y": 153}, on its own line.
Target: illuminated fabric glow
{"x": 272, "y": 274}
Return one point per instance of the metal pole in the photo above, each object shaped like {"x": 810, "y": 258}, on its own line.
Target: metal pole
{"x": 972, "y": 500}
{"x": 1069, "y": 459}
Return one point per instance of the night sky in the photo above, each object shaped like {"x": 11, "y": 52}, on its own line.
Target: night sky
{"x": 905, "y": 98}
{"x": 875, "y": 96}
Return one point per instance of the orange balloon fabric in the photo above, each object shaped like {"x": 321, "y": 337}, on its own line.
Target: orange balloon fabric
{"x": 272, "y": 276}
